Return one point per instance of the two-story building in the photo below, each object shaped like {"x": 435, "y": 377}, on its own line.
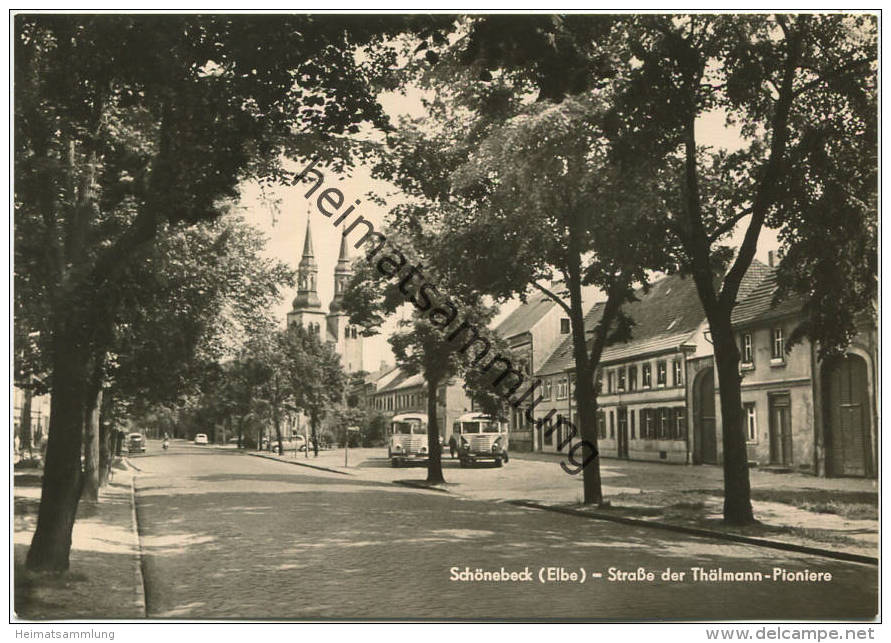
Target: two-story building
{"x": 532, "y": 332}
{"x": 645, "y": 403}
{"x": 801, "y": 412}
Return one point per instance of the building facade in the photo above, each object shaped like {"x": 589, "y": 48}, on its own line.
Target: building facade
{"x": 801, "y": 412}
{"x": 306, "y": 309}
{"x": 660, "y": 400}
{"x": 532, "y": 331}
{"x": 400, "y": 392}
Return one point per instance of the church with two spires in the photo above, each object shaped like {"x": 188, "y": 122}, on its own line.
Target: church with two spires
{"x": 332, "y": 326}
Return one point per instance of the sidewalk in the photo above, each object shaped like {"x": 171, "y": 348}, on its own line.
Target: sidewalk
{"x": 839, "y": 514}
{"x": 327, "y": 460}
{"x": 104, "y": 580}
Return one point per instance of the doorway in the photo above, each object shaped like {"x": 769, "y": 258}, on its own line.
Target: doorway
{"x": 706, "y": 441}
{"x": 622, "y": 435}
{"x": 847, "y": 412}
{"x": 780, "y": 429}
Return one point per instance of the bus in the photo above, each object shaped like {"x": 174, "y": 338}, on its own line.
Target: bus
{"x": 408, "y": 438}
{"x": 479, "y": 437}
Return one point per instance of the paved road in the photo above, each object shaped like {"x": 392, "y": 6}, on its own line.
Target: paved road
{"x": 228, "y": 535}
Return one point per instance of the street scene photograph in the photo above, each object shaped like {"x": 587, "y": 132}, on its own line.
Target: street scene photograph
{"x": 445, "y": 317}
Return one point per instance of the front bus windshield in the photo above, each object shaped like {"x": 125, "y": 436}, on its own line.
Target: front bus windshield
{"x": 407, "y": 428}
{"x": 479, "y": 427}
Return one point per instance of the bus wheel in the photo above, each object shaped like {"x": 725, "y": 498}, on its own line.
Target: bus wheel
{"x": 394, "y": 462}
{"x": 499, "y": 462}
{"x": 506, "y": 458}
{"x": 464, "y": 463}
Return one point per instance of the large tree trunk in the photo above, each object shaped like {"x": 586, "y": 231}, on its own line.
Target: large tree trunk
{"x": 25, "y": 422}
{"x": 60, "y": 493}
{"x": 93, "y": 404}
{"x": 585, "y": 365}
{"x": 737, "y": 493}
{"x": 434, "y": 450}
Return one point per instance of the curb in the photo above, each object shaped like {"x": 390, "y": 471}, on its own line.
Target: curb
{"x": 140, "y": 561}
{"x": 299, "y": 464}
{"x": 414, "y": 484}
{"x": 702, "y": 533}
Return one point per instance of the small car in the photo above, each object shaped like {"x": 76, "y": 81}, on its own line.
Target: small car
{"x": 136, "y": 443}
{"x": 200, "y": 438}
{"x": 295, "y": 443}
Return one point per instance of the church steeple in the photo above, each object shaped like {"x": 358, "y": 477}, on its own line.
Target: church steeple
{"x": 342, "y": 274}
{"x": 307, "y": 275}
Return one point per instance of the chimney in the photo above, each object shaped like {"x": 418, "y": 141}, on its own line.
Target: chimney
{"x": 770, "y": 258}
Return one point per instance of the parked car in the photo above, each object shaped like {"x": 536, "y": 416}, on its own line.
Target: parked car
{"x": 136, "y": 443}
{"x": 200, "y": 438}
{"x": 296, "y": 443}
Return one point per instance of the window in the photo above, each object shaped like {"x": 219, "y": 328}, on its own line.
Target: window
{"x": 632, "y": 378}
{"x": 561, "y": 388}
{"x": 647, "y": 375}
{"x": 647, "y": 428}
{"x": 571, "y": 391}
{"x": 631, "y": 419}
{"x": 622, "y": 379}
{"x": 601, "y": 425}
{"x": 751, "y": 422}
{"x": 680, "y": 424}
{"x": 747, "y": 348}
{"x": 547, "y": 432}
{"x": 664, "y": 424}
{"x": 612, "y": 424}
{"x": 677, "y": 372}
{"x": 564, "y": 326}
{"x": 599, "y": 382}
{"x": 546, "y": 390}
{"x": 777, "y": 351}
{"x": 610, "y": 382}
{"x": 661, "y": 373}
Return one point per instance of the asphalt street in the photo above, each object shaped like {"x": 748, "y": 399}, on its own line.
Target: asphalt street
{"x": 226, "y": 535}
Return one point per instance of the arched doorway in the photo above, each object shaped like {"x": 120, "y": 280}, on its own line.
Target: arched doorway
{"x": 705, "y": 441}
{"x": 846, "y": 409}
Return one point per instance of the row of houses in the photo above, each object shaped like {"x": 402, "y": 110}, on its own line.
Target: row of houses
{"x": 659, "y": 394}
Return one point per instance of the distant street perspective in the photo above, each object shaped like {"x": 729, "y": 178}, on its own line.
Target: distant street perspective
{"x": 446, "y": 317}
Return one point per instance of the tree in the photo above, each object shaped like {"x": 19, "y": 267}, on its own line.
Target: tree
{"x": 802, "y": 91}
{"x": 125, "y": 123}
{"x": 595, "y": 226}
{"x": 317, "y": 381}
{"x": 427, "y": 340}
